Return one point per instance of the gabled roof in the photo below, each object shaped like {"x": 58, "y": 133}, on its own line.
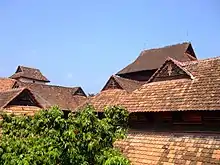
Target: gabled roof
{"x": 200, "y": 93}
{"x": 30, "y": 73}
{"x": 8, "y": 96}
{"x": 6, "y": 84}
{"x": 110, "y": 96}
{"x": 170, "y": 68}
{"x": 143, "y": 148}
{"x": 104, "y": 98}
{"x": 123, "y": 83}
{"x": 153, "y": 58}
{"x": 66, "y": 98}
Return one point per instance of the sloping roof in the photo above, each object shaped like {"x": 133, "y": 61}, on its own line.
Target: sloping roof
{"x": 153, "y": 58}
{"x": 110, "y": 97}
{"x": 105, "y": 98}
{"x": 66, "y": 98}
{"x": 201, "y": 93}
{"x": 7, "y": 96}
{"x": 6, "y": 84}
{"x": 126, "y": 84}
{"x": 165, "y": 148}
{"x": 31, "y": 73}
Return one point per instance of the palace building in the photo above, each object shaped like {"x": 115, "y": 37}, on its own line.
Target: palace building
{"x": 171, "y": 95}
{"x": 174, "y": 112}
{"x": 28, "y": 91}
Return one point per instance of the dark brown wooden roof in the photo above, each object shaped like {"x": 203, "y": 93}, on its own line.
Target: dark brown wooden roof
{"x": 66, "y": 98}
{"x": 31, "y": 73}
{"x": 154, "y": 58}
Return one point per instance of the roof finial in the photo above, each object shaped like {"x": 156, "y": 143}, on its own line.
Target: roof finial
{"x": 187, "y": 36}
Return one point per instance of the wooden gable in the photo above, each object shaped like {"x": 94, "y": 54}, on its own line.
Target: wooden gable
{"x": 25, "y": 98}
{"x": 169, "y": 71}
{"x": 18, "y": 69}
{"x": 112, "y": 84}
{"x": 79, "y": 92}
{"x": 191, "y": 52}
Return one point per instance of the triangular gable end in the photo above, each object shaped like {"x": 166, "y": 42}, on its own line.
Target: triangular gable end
{"x": 16, "y": 85}
{"x": 169, "y": 71}
{"x": 25, "y": 98}
{"x": 79, "y": 92}
{"x": 18, "y": 69}
{"x": 190, "y": 52}
{"x": 112, "y": 84}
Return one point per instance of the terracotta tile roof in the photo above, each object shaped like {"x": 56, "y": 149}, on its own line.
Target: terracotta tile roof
{"x": 165, "y": 148}
{"x": 66, "y": 98}
{"x": 31, "y": 73}
{"x": 154, "y": 58}
{"x": 124, "y": 83}
{"x": 105, "y": 98}
{"x": 7, "y": 96}
{"x": 200, "y": 93}
{"x": 111, "y": 96}
{"x": 6, "y": 83}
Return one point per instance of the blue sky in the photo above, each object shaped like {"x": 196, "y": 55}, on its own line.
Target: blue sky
{"x": 82, "y": 43}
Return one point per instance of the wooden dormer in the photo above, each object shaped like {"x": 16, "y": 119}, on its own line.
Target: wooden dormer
{"x": 170, "y": 70}
{"x": 116, "y": 82}
{"x": 112, "y": 84}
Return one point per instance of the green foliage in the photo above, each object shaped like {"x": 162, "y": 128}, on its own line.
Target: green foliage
{"x": 48, "y": 138}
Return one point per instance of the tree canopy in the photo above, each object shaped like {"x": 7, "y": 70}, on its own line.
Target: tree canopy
{"x": 48, "y": 138}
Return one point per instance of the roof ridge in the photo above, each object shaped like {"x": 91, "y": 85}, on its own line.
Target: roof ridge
{"x": 50, "y": 85}
{"x": 163, "y": 47}
{"x": 28, "y": 67}
{"x": 127, "y": 79}
{"x": 197, "y": 61}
